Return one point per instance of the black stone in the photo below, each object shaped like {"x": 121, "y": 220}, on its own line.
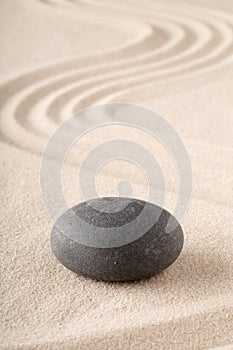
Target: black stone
{"x": 82, "y": 241}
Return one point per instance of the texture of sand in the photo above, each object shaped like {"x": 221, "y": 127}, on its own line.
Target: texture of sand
{"x": 58, "y": 56}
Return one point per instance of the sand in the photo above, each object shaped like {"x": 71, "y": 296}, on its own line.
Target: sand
{"x": 58, "y": 57}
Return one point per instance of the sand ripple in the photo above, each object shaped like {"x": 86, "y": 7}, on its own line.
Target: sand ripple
{"x": 174, "y": 43}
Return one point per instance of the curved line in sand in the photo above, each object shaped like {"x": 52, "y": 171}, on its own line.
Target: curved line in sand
{"x": 91, "y": 81}
{"x": 75, "y": 84}
{"x": 17, "y": 102}
{"x": 14, "y": 91}
{"x": 213, "y": 55}
{"x": 79, "y": 77}
{"x": 199, "y": 43}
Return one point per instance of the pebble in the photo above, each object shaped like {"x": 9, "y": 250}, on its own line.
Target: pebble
{"x": 116, "y": 239}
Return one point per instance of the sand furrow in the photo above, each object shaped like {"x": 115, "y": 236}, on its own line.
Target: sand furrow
{"x": 196, "y": 42}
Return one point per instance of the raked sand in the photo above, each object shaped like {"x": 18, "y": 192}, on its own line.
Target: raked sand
{"x": 59, "y": 56}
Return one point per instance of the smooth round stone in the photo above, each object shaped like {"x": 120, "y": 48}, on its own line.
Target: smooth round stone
{"x": 116, "y": 239}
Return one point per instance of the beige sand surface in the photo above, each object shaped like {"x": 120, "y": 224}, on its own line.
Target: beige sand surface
{"x": 58, "y": 56}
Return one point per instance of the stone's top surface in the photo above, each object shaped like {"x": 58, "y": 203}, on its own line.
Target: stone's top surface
{"x": 111, "y": 221}
{"x": 110, "y": 239}
{"x": 109, "y": 211}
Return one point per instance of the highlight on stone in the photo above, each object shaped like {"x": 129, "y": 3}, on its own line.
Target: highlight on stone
{"x": 116, "y": 239}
